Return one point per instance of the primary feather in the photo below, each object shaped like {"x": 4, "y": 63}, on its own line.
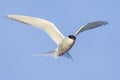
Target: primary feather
{"x": 90, "y": 26}
{"x": 45, "y": 25}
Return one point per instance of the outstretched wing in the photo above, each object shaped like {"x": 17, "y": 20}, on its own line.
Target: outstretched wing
{"x": 45, "y": 25}
{"x": 90, "y": 26}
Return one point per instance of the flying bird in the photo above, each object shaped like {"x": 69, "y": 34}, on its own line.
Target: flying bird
{"x": 64, "y": 44}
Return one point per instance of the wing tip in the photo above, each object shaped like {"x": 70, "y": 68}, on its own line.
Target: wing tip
{"x": 101, "y": 23}
{"x": 105, "y": 22}
{"x": 11, "y": 16}
{"x": 8, "y": 16}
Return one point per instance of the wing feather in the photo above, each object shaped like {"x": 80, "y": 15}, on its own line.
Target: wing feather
{"x": 90, "y": 26}
{"x": 45, "y": 25}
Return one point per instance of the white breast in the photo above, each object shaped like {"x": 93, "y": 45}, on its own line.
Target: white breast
{"x": 65, "y": 45}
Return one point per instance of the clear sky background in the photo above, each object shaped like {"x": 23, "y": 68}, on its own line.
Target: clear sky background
{"x": 96, "y": 52}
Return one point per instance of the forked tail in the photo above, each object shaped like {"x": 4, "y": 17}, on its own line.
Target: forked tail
{"x": 50, "y": 53}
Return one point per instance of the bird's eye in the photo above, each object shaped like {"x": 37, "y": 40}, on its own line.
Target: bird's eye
{"x": 72, "y": 37}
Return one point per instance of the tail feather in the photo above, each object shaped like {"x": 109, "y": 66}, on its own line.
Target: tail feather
{"x": 50, "y": 53}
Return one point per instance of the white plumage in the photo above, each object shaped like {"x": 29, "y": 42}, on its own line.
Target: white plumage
{"x": 45, "y": 25}
{"x": 64, "y": 43}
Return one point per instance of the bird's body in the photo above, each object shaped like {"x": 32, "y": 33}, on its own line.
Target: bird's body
{"x": 64, "y": 43}
{"x": 65, "y": 46}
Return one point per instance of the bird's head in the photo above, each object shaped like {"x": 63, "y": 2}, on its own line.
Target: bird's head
{"x": 72, "y": 37}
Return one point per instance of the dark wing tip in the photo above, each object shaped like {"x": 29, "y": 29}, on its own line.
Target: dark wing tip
{"x": 105, "y": 22}
{"x": 101, "y": 23}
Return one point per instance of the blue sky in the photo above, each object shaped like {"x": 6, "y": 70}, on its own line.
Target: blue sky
{"x": 96, "y": 52}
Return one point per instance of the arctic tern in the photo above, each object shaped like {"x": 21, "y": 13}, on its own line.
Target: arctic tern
{"x": 64, "y": 43}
